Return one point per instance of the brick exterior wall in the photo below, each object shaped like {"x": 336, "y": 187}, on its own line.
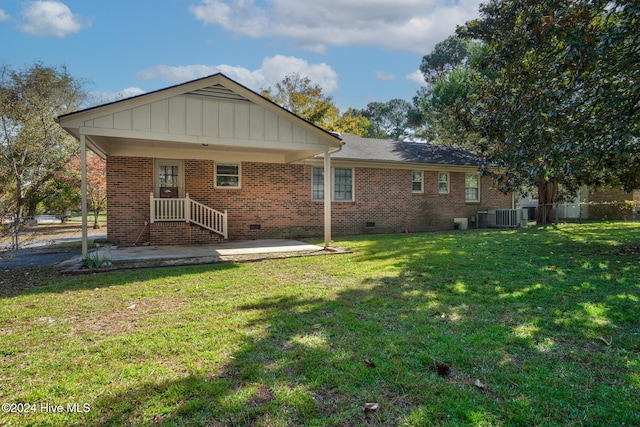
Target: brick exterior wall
{"x": 129, "y": 179}
{"x": 276, "y": 198}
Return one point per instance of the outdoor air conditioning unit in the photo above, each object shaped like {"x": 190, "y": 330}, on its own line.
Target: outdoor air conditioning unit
{"x": 507, "y": 218}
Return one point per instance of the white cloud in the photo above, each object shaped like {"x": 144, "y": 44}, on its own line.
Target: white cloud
{"x": 278, "y": 67}
{"x": 99, "y": 98}
{"x": 384, "y": 76}
{"x": 416, "y": 77}
{"x": 273, "y": 70}
{"x": 51, "y": 18}
{"x": 129, "y": 92}
{"x": 409, "y": 25}
{"x": 4, "y": 16}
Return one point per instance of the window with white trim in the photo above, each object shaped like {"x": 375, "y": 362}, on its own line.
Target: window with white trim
{"x": 443, "y": 182}
{"x": 472, "y": 187}
{"x": 341, "y": 182}
{"x": 168, "y": 178}
{"x": 417, "y": 178}
{"x": 317, "y": 183}
{"x": 227, "y": 175}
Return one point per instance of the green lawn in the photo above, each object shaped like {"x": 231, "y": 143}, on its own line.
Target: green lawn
{"x": 76, "y": 218}
{"x": 528, "y": 327}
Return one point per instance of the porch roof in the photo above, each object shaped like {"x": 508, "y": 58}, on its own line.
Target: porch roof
{"x": 209, "y": 118}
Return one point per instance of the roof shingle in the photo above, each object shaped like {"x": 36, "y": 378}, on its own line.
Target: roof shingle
{"x": 386, "y": 150}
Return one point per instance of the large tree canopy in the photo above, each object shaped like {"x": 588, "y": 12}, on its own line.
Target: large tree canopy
{"x": 388, "y": 119}
{"x": 562, "y": 103}
{"x": 306, "y": 100}
{"x": 32, "y": 146}
{"x": 441, "y": 107}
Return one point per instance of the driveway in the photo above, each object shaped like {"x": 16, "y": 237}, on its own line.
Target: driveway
{"x": 38, "y": 249}
{"x": 26, "y": 258}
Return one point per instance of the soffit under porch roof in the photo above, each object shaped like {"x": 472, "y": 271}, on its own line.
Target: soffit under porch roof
{"x": 205, "y": 118}
{"x": 184, "y": 151}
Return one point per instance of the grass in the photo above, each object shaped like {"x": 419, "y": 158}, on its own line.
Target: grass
{"x": 546, "y": 319}
{"x": 76, "y": 218}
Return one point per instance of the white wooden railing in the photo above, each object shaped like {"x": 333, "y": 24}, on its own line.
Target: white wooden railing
{"x": 188, "y": 210}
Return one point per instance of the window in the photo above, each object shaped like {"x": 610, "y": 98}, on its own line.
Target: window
{"x": 317, "y": 184}
{"x": 443, "y": 182}
{"x": 472, "y": 187}
{"x": 168, "y": 176}
{"x": 228, "y": 175}
{"x": 342, "y": 183}
{"x": 416, "y": 181}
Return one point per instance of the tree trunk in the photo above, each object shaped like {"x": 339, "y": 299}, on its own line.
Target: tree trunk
{"x": 19, "y": 199}
{"x": 32, "y": 207}
{"x": 547, "y": 192}
{"x": 17, "y": 221}
{"x": 96, "y": 214}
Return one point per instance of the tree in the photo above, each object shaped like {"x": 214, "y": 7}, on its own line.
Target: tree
{"x": 64, "y": 190}
{"x": 32, "y": 146}
{"x": 62, "y": 194}
{"x": 562, "y": 106}
{"x": 388, "y": 119}
{"x": 445, "y": 57}
{"x": 96, "y": 184}
{"x": 350, "y": 122}
{"x": 440, "y": 109}
{"x": 306, "y": 100}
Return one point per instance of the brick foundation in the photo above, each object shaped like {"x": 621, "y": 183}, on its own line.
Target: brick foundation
{"x": 275, "y": 202}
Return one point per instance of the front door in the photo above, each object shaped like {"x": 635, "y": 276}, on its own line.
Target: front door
{"x": 169, "y": 178}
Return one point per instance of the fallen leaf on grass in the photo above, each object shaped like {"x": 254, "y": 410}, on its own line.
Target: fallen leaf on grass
{"x": 316, "y": 326}
{"x": 479, "y": 384}
{"x": 370, "y": 406}
{"x": 607, "y": 342}
{"x": 369, "y": 363}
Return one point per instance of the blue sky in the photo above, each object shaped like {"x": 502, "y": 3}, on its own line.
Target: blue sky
{"x": 358, "y": 51}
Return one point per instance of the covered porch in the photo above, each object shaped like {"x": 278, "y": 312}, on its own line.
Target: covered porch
{"x": 155, "y": 143}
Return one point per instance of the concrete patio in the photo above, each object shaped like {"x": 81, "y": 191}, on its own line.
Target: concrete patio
{"x": 150, "y": 256}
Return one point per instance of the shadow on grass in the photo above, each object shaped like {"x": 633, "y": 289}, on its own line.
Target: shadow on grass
{"x": 516, "y": 316}
{"x": 41, "y": 280}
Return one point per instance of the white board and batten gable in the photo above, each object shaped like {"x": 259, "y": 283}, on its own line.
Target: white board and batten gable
{"x": 209, "y": 118}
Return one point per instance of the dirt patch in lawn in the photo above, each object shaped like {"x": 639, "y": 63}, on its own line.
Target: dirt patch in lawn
{"x": 136, "y": 315}
{"x": 630, "y": 250}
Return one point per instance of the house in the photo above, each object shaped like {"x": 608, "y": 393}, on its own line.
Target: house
{"x": 596, "y": 203}
{"x": 408, "y": 186}
{"x": 210, "y": 160}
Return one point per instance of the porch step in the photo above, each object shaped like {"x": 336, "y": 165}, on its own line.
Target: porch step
{"x": 181, "y": 233}
{"x": 190, "y": 211}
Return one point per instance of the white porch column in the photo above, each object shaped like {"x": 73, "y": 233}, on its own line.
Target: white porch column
{"x": 327, "y": 199}
{"x": 83, "y": 189}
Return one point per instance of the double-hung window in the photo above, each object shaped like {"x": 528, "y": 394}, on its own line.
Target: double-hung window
{"x": 417, "y": 177}
{"x": 341, "y": 183}
{"x": 472, "y": 187}
{"x": 228, "y": 175}
{"x": 317, "y": 184}
{"x": 443, "y": 182}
